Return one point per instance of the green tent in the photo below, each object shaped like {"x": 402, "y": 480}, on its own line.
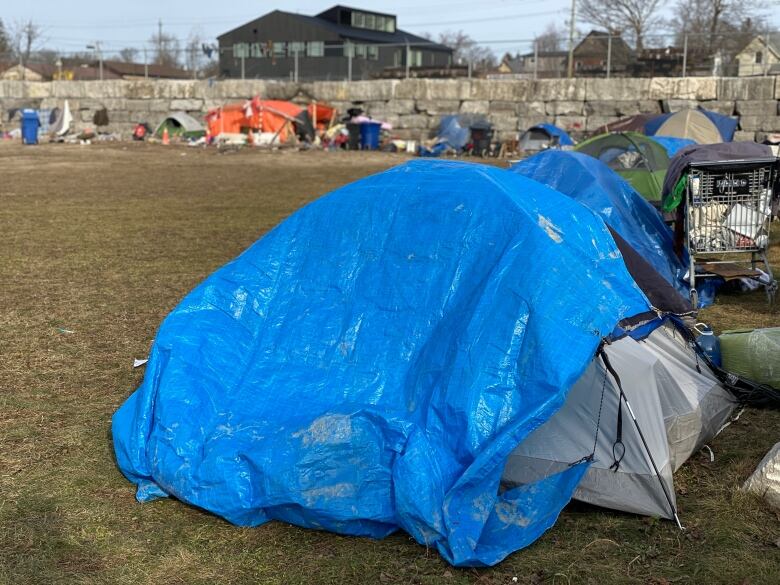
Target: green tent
{"x": 640, "y": 160}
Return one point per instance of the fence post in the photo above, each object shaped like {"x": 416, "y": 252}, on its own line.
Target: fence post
{"x": 146, "y": 65}
{"x": 349, "y": 60}
{"x": 609, "y": 54}
{"x": 766, "y": 54}
{"x": 408, "y": 57}
{"x": 685, "y": 55}
{"x": 295, "y": 54}
{"x": 536, "y": 58}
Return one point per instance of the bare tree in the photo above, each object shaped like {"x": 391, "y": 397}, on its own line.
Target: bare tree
{"x": 193, "y": 53}
{"x": 635, "y": 17}
{"x": 717, "y": 26}
{"x": 5, "y": 41}
{"x": 25, "y": 38}
{"x": 128, "y": 54}
{"x": 551, "y": 39}
{"x": 466, "y": 50}
{"x": 166, "y": 49}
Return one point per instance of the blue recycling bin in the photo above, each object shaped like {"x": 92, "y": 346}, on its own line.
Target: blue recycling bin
{"x": 369, "y": 135}
{"x": 30, "y": 125}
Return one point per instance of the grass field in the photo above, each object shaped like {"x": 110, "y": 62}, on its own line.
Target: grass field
{"x": 99, "y": 243}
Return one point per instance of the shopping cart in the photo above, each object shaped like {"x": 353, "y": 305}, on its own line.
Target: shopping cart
{"x": 728, "y": 214}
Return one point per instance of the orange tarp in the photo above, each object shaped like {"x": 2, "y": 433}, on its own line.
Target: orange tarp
{"x": 261, "y": 116}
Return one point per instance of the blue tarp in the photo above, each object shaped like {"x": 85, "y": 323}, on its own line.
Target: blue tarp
{"x": 597, "y": 187}
{"x": 370, "y": 363}
{"x": 726, "y": 125}
{"x": 563, "y": 138}
{"x": 672, "y": 144}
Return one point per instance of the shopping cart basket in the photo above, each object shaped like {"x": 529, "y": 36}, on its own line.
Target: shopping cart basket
{"x": 727, "y": 219}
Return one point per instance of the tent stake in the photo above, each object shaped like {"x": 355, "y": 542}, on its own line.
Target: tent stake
{"x": 623, "y": 397}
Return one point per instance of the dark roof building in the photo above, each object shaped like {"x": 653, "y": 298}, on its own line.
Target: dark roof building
{"x": 339, "y": 43}
{"x": 598, "y": 48}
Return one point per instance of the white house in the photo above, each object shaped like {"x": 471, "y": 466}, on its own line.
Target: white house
{"x": 758, "y": 57}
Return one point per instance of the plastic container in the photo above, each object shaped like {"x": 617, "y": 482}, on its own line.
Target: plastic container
{"x": 709, "y": 343}
{"x": 369, "y": 135}
{"x": 30, "y": 125}
{"x": 481, "y": 136}
{"x": 753, "y": 353}
{"x": 354, "y": 136}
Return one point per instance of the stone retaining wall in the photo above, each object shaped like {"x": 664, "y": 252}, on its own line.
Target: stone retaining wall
{"x": 414, "y": 106}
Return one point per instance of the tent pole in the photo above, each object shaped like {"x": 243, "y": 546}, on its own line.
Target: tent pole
{"x": 623, "y": 397}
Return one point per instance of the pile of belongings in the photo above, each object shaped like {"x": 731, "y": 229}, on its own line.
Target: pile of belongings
{"x": 444, "y": 348}
{"x": 454, "y": 134}
{"x": 732, "y": 217}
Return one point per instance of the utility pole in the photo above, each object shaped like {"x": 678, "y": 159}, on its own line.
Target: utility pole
{"x": 570, "y": 71}
{"x": 159, "y": 42}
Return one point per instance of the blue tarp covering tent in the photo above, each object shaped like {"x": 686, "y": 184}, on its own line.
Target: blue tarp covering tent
{"x": 563, "y": 138}
{"x": 672, "y": 144}
{"x": 370, "y": 363}
{"x": 597, "y": 187}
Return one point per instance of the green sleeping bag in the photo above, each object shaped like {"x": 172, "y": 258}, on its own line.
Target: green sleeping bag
{"x": 753, "y": 353}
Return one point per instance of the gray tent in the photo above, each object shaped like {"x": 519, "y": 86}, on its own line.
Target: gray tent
{"x": 181, "y": 124}
{"x": 676, "y": 407}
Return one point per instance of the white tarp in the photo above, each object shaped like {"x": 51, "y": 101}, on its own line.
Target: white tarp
{"x": 765, "y": 480}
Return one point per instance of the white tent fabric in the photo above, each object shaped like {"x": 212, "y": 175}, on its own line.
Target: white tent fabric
{"x": 690, "y": 124}
{"x": 62, "y": 124}
{"x": 184, "y": 120}
{"x": 677, "y": 408}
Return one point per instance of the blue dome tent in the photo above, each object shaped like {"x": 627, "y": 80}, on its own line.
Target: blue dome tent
{"x": 370, "y": 364}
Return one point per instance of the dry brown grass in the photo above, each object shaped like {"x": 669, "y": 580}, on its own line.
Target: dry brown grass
{"x": 103, "y": 242}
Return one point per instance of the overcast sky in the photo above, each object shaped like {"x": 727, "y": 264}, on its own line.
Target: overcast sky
{"x": 69, "y": 25}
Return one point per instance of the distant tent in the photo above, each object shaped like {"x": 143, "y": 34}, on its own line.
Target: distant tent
{"x": 181, "y": 124}
{"x": 543, "y": 136}
{"x": 677, "y": 401}
{"x": 638, "y": 159}
{"x": 281, "y": 118}
{"x": 698, "y": 125}
{"x": 635, "y": 123}
{"x": 672, "y": 144}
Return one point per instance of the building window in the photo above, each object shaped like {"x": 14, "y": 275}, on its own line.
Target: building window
{"x": 349, "y": 49}
{"x": 240, "y": 50}
{"x": 372, "y": 52}
{"x": 372, "y": 21}
{"x": 257, "y": 50}
{"x": 415, "y": 58}
{"x": 759, "y": 57}
{"x": 296, "y": 47}
{"x": 280, "y": 49}
{"x": 315, "y": 49}
{"x": 397, "y": 58}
